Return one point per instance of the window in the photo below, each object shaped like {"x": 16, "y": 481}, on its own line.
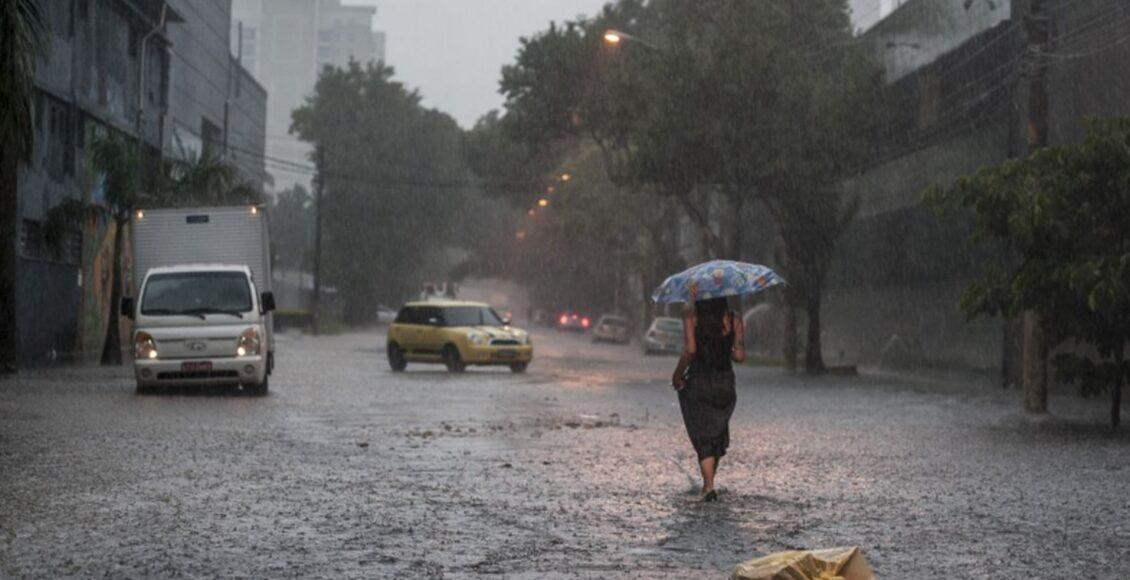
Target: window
{"x": 212, "y": 136}
{"x": 58, "y": 241}
{"x": 32, "y": 242}
{"x": 470, "y": 316}
{"x": 196, "y": 293}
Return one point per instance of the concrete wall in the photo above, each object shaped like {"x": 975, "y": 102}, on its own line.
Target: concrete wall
{"x": 48, "y": 303}
{"x": 895, "y": 289}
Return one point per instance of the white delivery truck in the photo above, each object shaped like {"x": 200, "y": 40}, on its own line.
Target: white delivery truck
{"x": 202, "y": 312}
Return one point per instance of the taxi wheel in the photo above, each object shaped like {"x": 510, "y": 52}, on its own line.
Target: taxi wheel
{"x": 519, "y": 367}
{"x": 452, "y": 360}
{"x": 396, "y": 360}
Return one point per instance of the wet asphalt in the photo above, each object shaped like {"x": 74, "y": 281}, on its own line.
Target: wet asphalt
{"x": 578, "y": 468}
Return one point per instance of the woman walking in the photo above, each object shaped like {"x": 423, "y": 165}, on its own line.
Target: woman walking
{"x": 713, "y": 338}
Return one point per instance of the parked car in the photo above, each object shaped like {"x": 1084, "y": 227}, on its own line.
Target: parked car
{"x": 665, "y": 335}
{"x": 385, "y": 315}
{"x": 611, "y": 328}
{"x": 574, "y": 321}
{"x": 456, "y": 334}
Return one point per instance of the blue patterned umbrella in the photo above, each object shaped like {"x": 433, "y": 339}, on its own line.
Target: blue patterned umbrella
{"x": 716, "y": 279}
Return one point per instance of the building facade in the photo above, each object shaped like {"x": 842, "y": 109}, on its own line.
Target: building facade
{"x": 957, "y": 81}
{"x": 160, "y": 72}
{"x": 284, "y": 44}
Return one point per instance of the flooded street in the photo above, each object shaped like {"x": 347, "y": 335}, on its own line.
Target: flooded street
{"x": 579, "y": 468}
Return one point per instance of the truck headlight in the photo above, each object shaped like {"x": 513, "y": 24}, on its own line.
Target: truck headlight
{"x": 477, "y": 338}
{"x": 144, "y": 347}
{"x": 248, "y": 342}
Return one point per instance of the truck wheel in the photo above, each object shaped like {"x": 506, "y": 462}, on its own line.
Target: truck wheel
{"x": 261, "y": 389}
{"x": 396, "y": 360}
{"x": 452, "y": 360}
{"x": 519, "y": 367}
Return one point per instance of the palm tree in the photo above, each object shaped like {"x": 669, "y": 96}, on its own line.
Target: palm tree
{"x": 22, "y": 41}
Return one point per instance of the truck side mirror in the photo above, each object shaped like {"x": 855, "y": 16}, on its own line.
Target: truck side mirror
{"x": 127, "y": 307}
{"x": 267, "y": 302}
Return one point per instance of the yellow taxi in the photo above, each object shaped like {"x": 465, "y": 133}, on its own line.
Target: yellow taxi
{"x": 456, "y": 334}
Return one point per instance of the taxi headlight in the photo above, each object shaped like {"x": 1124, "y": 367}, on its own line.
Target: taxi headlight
{"x": 144, "y": 347}
{"x": 248, "y": 343}
{"x": 477, "y": 338}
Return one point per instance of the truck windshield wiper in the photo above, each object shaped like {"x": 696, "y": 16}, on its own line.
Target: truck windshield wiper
{"x": 202, "y": 311}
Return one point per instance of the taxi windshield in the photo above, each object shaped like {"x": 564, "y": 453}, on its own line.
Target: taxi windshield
{"x": 471, "y": 316}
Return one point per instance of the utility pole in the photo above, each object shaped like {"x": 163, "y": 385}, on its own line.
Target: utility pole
{"x": 319, "y": 183}
{"x": 1034, "y": 357}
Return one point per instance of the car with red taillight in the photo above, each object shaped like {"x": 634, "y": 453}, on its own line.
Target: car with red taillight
{"x": 573, "y": 321}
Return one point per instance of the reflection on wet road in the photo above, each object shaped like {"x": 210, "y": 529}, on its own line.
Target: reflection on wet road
{"x": 579, "y": 468}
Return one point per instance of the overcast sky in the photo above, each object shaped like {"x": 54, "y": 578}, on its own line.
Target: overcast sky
{"x": 453, "y": 50}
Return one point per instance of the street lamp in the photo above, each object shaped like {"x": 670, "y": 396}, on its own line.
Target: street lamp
{"x": 614, "y": 37}
{"x": 543, "y": 202}
{"x": 566, "y": 177}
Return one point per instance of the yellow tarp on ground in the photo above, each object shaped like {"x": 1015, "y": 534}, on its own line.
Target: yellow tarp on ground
{"x": 830, "y": 564}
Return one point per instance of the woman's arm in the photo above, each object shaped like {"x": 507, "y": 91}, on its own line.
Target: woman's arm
{"x": 738, "y": 354}
{"x": 678, "y": 380}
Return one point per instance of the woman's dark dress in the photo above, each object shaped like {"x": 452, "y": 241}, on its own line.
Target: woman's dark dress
{"x": 708, "y": 399}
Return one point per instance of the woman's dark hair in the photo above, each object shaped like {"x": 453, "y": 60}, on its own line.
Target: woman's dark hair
{"x": 710, "y": 315}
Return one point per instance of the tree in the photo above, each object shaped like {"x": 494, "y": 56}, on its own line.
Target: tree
{"x": 394, "y": 181}
{"x": 22, "y": 41}
{"x": 1063, "y": 214}
{"x": 724, "y": 105}
{"x": 292, "y": 227}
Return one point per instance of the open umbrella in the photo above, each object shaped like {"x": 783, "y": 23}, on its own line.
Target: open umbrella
{"x": 716, "y": 279}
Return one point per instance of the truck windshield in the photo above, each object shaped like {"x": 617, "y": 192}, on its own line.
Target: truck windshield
{"x": 197, "y": 293}
{"x": 470, "y": 316}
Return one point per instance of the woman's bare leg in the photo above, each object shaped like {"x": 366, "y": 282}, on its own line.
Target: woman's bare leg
{"x": 707, "y": 465}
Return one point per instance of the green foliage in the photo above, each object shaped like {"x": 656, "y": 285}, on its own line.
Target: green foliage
{"x": 769, "y": 102}
{"x": 394, "y": 180}
{"x": 1064, "y": 213}
{"x": 292, "y": 229}
{"x": 23, "y": 39}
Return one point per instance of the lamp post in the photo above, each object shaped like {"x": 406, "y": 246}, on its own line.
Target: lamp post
{"x": 613, "y": 37}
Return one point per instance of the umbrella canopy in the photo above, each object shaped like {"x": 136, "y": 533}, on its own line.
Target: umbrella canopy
{"x": 716, "y": 279}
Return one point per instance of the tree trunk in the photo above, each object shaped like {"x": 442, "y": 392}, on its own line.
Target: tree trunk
{"x": 9, "y": 224}
{"x": 1116, "y": 391}
{"x": 790, "y": 336}
{"x": 112, "y": 347}
{"x": 813, "y": 356}
{"x": 1035, "y": 372}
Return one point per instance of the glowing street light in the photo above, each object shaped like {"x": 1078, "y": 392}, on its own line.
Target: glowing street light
{"x": 543, "y": 202}
{"x": 551, "y": 189}
{"x": 566, "y": 177}
{"x": 615, "y": 37}
{"x": 520, "y": 234}
{"x": 532, "y": 212}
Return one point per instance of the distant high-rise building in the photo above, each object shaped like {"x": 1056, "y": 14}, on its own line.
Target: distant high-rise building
{"x": 284, "y": 44}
